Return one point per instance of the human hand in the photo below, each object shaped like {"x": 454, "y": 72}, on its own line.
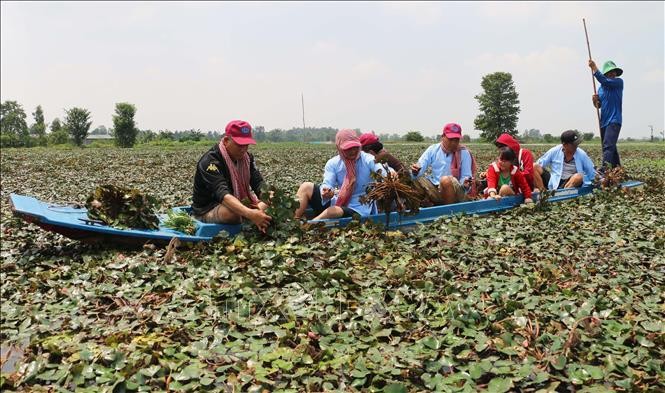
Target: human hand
{"x": 592, "y": 65}
{"x": 528, "y": 200}
{"x": 415, "y": 168}
{"x": 327, "y": 193}
{"x": 260, "y": 219}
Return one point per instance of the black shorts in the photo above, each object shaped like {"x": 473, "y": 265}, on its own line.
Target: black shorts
{"x": 562, "y": 183}
{"x": 316, "y": 203}
{"x": 546, "y": 178}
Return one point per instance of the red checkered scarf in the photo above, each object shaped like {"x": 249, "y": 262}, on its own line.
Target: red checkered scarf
{"x": 239, "y": 175}
{"x": 346, "y": 191}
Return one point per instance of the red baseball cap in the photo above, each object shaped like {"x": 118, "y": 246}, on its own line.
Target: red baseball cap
{"x": 368, "y": 138}
{"x": 241, "y": 132}
{"x": 452, "y": 130}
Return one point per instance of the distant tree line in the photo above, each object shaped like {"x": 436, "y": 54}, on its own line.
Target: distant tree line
{"x": 14, "y": 130}
{"x": 75, "y": 126}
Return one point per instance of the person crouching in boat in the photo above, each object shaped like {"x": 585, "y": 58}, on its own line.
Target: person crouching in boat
{"x": 504, "y": 178}
{"x": 350, "y": 171}
{"x": 524, "y": 156}
{"x": 569, "y": 166}
{"x": 225, "y": 176}
{"x": 371, "y": 144}
{"x": 453, "y": 167}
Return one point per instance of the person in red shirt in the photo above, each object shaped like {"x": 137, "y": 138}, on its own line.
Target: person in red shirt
{"x": 504, "y": 178}
{"x": 524, "y": 156}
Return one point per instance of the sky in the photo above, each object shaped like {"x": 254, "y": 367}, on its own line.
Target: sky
{"x": 390, "y": 67}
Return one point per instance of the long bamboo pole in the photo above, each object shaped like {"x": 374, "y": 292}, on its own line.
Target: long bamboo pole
{"x": 593, "y": 79}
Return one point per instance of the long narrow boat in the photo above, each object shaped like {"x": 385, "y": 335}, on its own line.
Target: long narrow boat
{"x": 73, "y": 222}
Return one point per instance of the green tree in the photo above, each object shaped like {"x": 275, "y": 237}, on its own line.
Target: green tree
{"x": 414, "y": 136}
{"x": 59, "y": 134}
{"x": 549, "y": 138}
{"x": 77, "y": 122}
{"x": 499, "y": 106}
{"x": 587, "y": 136}
{"x": 124, "y": 128}
{"x": 13, "y": 128}
{"x": 101, "y": 130}
{"x": 38, "y": 130}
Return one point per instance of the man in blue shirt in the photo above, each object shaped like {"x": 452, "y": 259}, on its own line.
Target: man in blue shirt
{"x": 452, "y": 168}
{"x": 608, "y": 99}
{"x": 569, "y": 165}
{"x": 350, "y": 171}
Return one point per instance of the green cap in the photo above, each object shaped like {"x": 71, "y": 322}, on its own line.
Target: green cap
{"x": 609, "y": 66}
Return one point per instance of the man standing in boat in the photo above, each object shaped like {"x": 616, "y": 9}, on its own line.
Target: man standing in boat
{"x": 569, "y": 166}
{"x": 453, "y": 168}
{"x": 227, "y": 183}
{"x": 609, "y": 99}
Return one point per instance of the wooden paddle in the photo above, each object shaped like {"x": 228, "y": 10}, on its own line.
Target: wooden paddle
{"x": 593, "y": 79}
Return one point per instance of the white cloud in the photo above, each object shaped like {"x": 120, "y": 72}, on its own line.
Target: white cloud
{"x": 325, "y": 48}
{"x": 417, "y": 12}
{"x": 370, "y": 68}
{"x": 655, "y": 75}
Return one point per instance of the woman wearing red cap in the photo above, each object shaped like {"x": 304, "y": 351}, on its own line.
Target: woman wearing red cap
{"x": 350, "y": 171}
{"x": 225, "y": 176}
{"x": 370, "y": 144}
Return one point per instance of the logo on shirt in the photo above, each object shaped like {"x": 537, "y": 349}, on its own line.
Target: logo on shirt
{"x": 212, "y": 168}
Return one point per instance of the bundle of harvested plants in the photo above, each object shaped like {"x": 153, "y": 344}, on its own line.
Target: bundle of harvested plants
{"x": 180, "y": 221}
{"x": 394, "y": 192}
{"x": 612, "y": 179}
{"x": 123, "y": 207}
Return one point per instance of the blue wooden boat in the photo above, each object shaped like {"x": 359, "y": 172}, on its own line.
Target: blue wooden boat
{"x": 73, "y": 222}
{"x": 483, "y": 206}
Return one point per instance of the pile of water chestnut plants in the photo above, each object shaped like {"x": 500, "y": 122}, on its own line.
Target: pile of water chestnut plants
{"x": 563, "y": 299}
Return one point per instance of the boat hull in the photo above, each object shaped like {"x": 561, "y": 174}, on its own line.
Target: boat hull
{"x": 73, "y": 222}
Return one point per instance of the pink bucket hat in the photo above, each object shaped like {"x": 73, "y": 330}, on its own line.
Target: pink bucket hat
{"x": 347, "y": 139}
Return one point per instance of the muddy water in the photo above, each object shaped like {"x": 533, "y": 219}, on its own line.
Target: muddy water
{"x": 11, "y": 355}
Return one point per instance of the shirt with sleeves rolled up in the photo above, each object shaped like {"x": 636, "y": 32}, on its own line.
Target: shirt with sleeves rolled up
{"x": 335, "y": 172}
{"x": 610, "y": 93}
{"x": 553, "y": 159}
{"x": 212, "y": 181}
{"x": 393, "y": 162}
{"x": 441, "y": 162}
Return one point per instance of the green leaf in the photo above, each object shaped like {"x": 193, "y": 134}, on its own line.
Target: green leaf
{"x": 395, "y": 388}
{"x": 190, "y": 372}
{"x": 499, "y": 385}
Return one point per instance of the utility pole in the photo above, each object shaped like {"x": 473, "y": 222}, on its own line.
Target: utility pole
{"x": 651, "y": 133}
{"x": 302, "y": 99}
